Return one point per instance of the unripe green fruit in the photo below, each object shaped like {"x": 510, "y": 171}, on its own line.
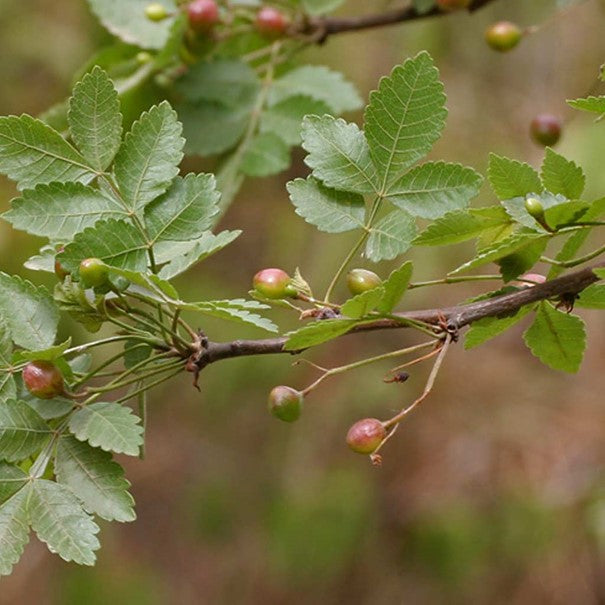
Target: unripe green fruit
{"x": 452, "y": 5}
{"x": 366, "y": 435}
{"x": 285, "y": 403}
{"x": 360, "y": 280}
{"x": 271, "y": 22}
{"x": 93, "y": 272}
{"x": 503, "y": 36}
{"x": 534, "y": 208}
{"x": 202, "y": 14}
{"x": 273, "y": 283}
{"x": 156, "y": 11}
{"x": 143, "y": 57}
{"x": 43, "y": 379}
{"x": 545, "y": 129}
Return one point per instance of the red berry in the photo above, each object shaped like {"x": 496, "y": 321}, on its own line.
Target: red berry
{"x": 93, "y": 272}
{"x": 452, "y": 5}
{"x": 545, "y": 129}
{"x": 503, "y": 36}
{"x": 273, "y": 283}
{"x": 285, "y": 403}
{"x": 366, "y": 435}
{"x": 271, "y": 22}
{"x": 202, "y": 14}
{"x": 60, "y": 270}
{"x": 43, "y": 379}
{"x": 360, "y": 280}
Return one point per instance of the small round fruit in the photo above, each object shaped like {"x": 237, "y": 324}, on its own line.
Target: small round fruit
{"x": 156, "y": 11}
{"x": 43, "y": 379}
{"x": 93, "y": 272}
{"x": 143, "y": 57}
{"x": 273, "y": 283}
{"x": 534, "y": 208}
{"x": 503, "y": 36}
{"x": 366, "y": 435}
{"x": 453, "y": 5}
{"x": 285, "y": 403}
{"x": 360, "y": 280}
{"x": 271, "y": 21}
{"x": 545, "y": 129}
{"x": 202, "y": 14}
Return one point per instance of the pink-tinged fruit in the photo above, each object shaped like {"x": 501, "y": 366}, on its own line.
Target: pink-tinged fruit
{"x": 43, "y": 379}
{"x": 366, "y": 435}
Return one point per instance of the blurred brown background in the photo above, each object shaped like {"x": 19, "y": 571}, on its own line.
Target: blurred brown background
{"x": 492, "y": 492}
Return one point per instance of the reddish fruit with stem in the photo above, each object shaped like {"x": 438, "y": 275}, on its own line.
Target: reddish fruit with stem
{"x": 360, "y": 280}
{"x": 271, "y": 22}
{"x": 273, "y": 283}
{"x": 366, "y": 435}
{"x": 43, "y": 379}
{"x": 285, "y": 403}
{"x": 93, "y": 272}
{"x": 202, "y": 14}
{"x": 545, "y": 129}
{"x": 503, "y": 36}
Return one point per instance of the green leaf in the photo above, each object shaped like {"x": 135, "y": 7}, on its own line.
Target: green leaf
{"x": 265, "y": 155}
{"x": 462, "y": 225}
{"x": 509, "y": 178}
{"x": 60, "y": 210}
{"x": 22, "y": 431}
{"x": 566, "y": 214}
{"x": 556, "y": 338}
{"x": 229, "y": 82}
{"x": 489, "y": 327}
{"x": 329, "y": 210}
{"x": 8, "y": 388}
{"x": 94, "y": 118}
{"x": 226, "y": 309}
{"x": 116, "y": 243}
{"x": 95, "y": 479}
{"x": 390, "y": 236}
{"x": 563, "y": 176}
{"x": 511, "y": 244}
{"x": 110, "y": 426}
{"x": 29, "y": 312}
{"x": 318, "y": 332}
{"x": 423, "y": 6}
{"x": 521, "y": 260}
{"x": 591, "y": 104}
{"x": 363, "y": 303}
{"x": 592, "y": 297}
{"x": 126, "y": 19}
{"x": 515, "y": 208}
{"x": 60, "y": 522}
{"x": 405, "y": 117}
{"x": 320, "y": 7}
{"x": 395, "y": 287}
{"x": 190, "y": 253}
{"x": 319, "y": 83}
{"x": 149, "y": 157}
{"x": 599, "y": 272}
{"x": 14, "y": 531}
{"x": 71, "y": 298}
{"x": 185, "y": 211}
{"x": 48, "y": 354}
{"x": 32, "y": 153}
{"x": 12, "y": 479}
{"x": 435, "y": 188}
{"x": 338, "y": 154}
{"x": 285, "y": 118}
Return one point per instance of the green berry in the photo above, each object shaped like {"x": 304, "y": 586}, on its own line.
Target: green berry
{"x": 156, "y": 11}
{"x": 285, "y": 403}
{"x": 534, "y": 208}
{"x": 366, "y": 435}
{"x": 503, "y": 36}
{"x": 43, "y": 379}
{"x": 143, "y": 57}
{"x": 93, "y": 272}
{"x": 360, "y": 280}
{"x": 273, "y": 283}
{"x": 545, "y": 129}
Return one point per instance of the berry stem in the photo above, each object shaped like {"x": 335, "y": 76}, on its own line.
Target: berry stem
{"x": 148, "y": 386}
{"x": 574, "y": 262}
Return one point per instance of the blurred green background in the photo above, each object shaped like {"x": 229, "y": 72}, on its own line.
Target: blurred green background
{"x": 492, "y": 492}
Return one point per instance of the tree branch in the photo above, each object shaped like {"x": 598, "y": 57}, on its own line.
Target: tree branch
{"x": 457, "y": 316}
{"x": 322, "y": 27}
